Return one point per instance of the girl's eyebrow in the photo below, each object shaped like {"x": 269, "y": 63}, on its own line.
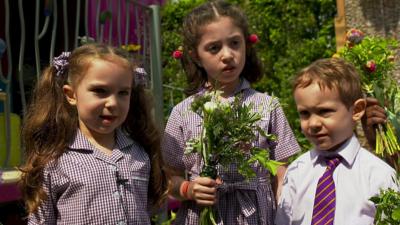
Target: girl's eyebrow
{"x": 97, "y": 85}
{"x": 235, "y": 36}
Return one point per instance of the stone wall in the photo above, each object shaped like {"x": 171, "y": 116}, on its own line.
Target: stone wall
{"x": 375, "y": 17}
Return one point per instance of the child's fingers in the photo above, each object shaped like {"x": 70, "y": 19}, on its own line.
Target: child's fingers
{"x": 374, "y": 121}
{"x": 205, "y": 181}
{"x": 376, "y": 109}
{"x": 375, "y": 114}
{"x": 373, "y": 105}
{"x": 203, "y": 191}
{"x": 203, "y": 195}
{"x": 372, "y": 101}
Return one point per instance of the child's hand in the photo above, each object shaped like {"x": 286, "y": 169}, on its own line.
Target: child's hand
{"x": 203, "y": 190}
{"x": 374, "y": 115}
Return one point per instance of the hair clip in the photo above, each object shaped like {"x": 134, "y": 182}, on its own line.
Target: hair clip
{"x": 177, "y": 54}
{"x": 140, "y": 77}
{"x": 60, "y": 63}
{"x": 253, "y": 38}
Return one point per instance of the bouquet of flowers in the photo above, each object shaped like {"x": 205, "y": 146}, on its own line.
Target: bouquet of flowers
{"x": 227, "y": 135}
{"x": 374, "y": 59}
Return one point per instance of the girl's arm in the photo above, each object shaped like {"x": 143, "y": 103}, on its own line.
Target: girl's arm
{"x": 46, "y": 213}
{"x": 278, "y": 180}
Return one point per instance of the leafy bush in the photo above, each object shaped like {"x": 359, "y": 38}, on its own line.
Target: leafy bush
{"x": 292, "y": 33}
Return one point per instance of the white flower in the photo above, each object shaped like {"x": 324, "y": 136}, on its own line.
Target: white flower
{"x": 209, "y": 107}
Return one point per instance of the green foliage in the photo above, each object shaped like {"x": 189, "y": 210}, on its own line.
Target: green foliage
{"x": 387, "y": 207}
{"x": 292, "y": 33}
{"x": 157, "y": 219}
{"x": 375, "y": 51}
{"x": 228, "y": 133}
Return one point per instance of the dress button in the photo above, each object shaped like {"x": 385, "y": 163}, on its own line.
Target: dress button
{"x": 112, "y": 168}
{"x": 121, "y": 223}
{"x": 116, "y": 194}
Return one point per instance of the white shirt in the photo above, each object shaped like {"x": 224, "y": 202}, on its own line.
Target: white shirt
{"x": 358, "y": 177}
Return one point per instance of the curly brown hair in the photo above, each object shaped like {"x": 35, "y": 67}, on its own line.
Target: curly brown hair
{"x": 51, "y": 122}
{"x": 204, "y": 15}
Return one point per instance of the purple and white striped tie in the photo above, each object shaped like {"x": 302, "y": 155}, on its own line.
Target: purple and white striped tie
{"x": 325, "y": 196}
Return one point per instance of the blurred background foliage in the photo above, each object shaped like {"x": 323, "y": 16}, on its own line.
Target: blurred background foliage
{"x": 292, "y": 33}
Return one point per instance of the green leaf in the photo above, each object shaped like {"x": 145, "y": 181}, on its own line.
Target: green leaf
{"x": 375, "y": 199}
{"x": 396, "y": 214}
{"x": 273, "y": 166}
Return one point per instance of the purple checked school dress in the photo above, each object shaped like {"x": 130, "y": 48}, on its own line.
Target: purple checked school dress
{"x": 86, "y": 186}
{"x": 239, "y": 202}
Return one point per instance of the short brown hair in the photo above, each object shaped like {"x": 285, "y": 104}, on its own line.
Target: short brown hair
{"x": 332, "y": 73}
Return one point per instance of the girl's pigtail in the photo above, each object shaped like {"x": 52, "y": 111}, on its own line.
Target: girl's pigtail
{"x": 141, "y": 126}
{"x": 196, "y": 76}
{"x": 48, "y": 126}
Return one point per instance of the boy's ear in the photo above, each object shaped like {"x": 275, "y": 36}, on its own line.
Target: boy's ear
{"x": 359, "y": 109}
{"x": 69, "y": 94}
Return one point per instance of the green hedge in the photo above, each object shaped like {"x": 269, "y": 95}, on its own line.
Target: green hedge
{"x": 292, "y": 33}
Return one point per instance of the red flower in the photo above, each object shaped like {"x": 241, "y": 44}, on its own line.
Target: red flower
{"x": 371, "y": 66}
{"x": 177, "y": 54}
{"x": 253, "y": 38}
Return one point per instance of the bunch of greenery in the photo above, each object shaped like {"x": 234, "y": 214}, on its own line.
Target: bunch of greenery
{"x": 228, "y": 131}
{"x": 387, "y": 206}
{"x": 374, "y": 59}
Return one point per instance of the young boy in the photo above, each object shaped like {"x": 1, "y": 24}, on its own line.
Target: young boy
{"x": 332, "y": 183}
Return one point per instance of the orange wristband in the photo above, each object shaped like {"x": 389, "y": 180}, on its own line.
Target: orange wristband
{"x": 184, "y": 189}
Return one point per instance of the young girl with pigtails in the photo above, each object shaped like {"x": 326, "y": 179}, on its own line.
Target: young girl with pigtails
{"x": 92, "y": 149}
{"x": 218, "y": 53}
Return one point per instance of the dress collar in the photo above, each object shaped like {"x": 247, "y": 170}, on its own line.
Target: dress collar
{"x": 80, "y": 141}
{"x": 243, "y": 85}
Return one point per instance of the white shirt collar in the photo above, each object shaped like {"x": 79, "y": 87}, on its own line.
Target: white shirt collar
{"x": 348, "y": 151}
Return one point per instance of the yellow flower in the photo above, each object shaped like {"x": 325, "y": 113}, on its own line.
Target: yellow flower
{"x": 131, "y": 47}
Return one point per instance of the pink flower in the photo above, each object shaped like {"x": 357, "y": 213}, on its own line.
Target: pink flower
{"x": 354, "y": 37}
{"x": 253, "y": 38}
{"x": 177, "y": 54}
{"x": 371, "y": 66}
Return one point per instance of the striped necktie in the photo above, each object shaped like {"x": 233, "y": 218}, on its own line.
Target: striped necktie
{"x": 325, "y": 196}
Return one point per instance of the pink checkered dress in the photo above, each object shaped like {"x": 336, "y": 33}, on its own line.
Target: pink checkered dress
{"x": 239, "y": 202}
{"x": 86, "y": 186}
